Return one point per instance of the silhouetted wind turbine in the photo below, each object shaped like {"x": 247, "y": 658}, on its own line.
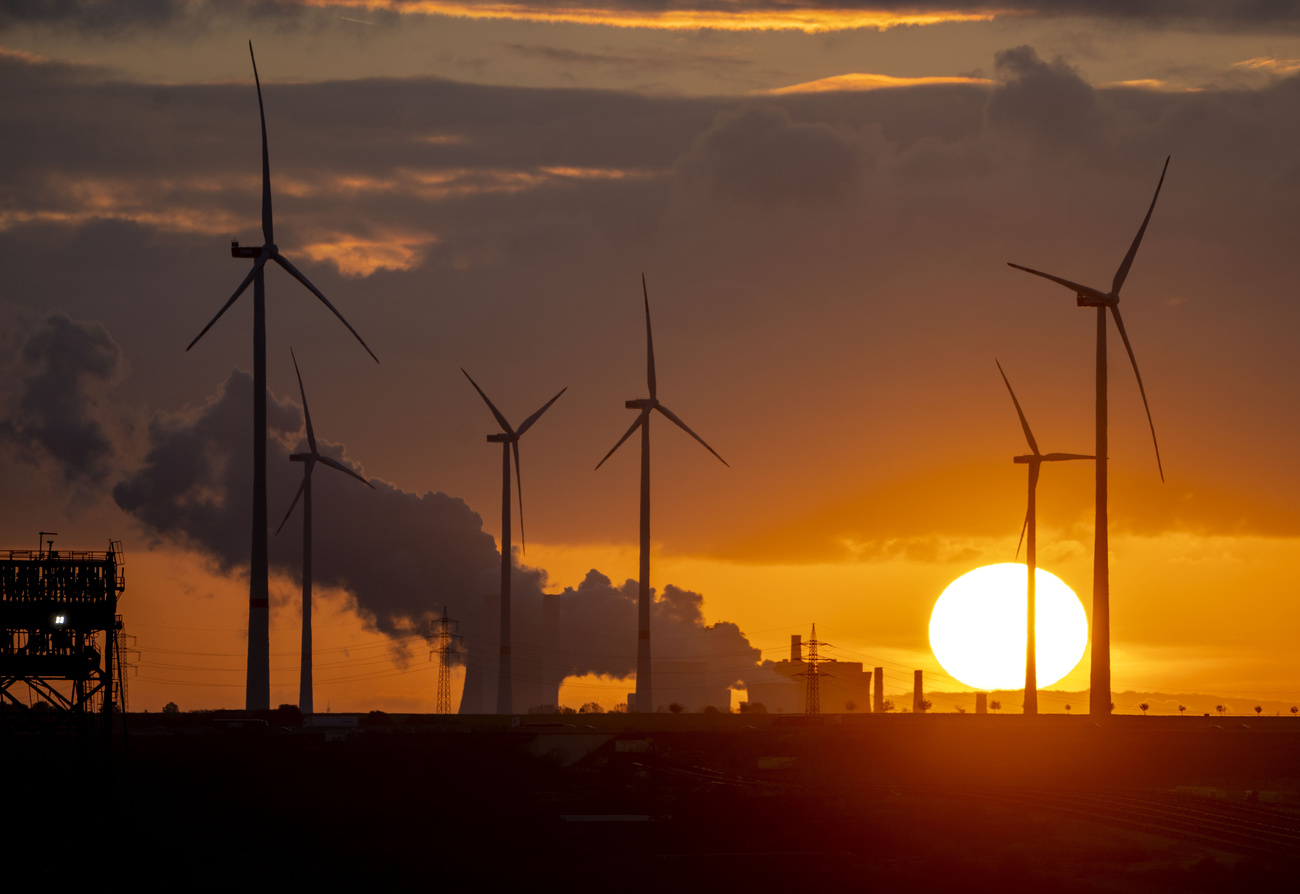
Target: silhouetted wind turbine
{"x": 644, "y": 699}
{"x": 1034, "y": 459}
{"x": 309, "y": 459}
{"x": 1099, "y": 683}
{"x": 508, "y": 438}
{"x": 258, "y": 682}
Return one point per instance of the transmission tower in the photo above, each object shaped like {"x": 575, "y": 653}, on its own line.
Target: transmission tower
{"x": 812, "y": 676}
{"x": 444, "y": 644}
{"x": 126, "y": 655}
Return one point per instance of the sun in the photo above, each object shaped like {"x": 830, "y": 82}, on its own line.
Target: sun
{"x": 977, "y": 628}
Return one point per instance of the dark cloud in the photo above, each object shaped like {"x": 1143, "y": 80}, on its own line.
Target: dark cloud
{"x": 113, "y": 18}
{"x": 1048, "y": 100}
{"x": 919, "y": 195}
{"x": 596, "y": 615}
{"x": 760, "y": 154}
{"x": 66, "y": 367}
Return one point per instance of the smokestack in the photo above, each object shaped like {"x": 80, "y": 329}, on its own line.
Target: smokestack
{"x": 868, "y": 706}
{"x": 878, "y": 702}
{"x": 981, "y": 703}
{"x": 916, "y": 693}
{"x": 550, "y": 657}
{"x": 796, "y": 647}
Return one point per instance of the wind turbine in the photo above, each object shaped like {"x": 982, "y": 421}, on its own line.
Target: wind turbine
{"x": 1086, "y": 296}
{"x": 1034, "y": 460}
{"x": 508, "y": 438}
{"x": 257, "y": 694}
{"x": 309, "y": 460}
{"x": 644, "y": 699}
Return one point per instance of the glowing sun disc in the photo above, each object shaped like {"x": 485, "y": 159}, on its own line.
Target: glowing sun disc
{"x": 977, "y": 628}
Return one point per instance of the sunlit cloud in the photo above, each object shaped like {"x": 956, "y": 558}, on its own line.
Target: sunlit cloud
{"x": 596, "y": 173}
{"x": 1270, "y": 64}
{"x": 809, "y": 19}
{"x": 1150, "y": 84}
{"x": 443, "y": 139}
{"x": 356, "y": 256}
{"x": 171, "y": 204}
{"x": 206, "y": 221}
{"x": 858, "y": 81}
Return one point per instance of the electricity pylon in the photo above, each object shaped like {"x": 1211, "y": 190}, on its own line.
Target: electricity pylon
{"x": 445, "y": 645}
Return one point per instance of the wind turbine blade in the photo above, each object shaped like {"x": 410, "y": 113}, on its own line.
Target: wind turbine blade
{"x": 635, "y": 425}
{"x": 335, "y": 464}
{"x": 538, "y": 415}
{"x": 1024, "y": 527}
{"x": 501, "y": 420}
{"x": 682, "y": 425}
{"x": 257, "y": 265}
{"x": 293, "y": 271}
{"x": 1061, "y": 457}
{"x": 649, "y": 344}
{"x": 1119, "y": 323}
{"x": 1122, "y": 273}
{"x": 1024, "y": 423}
{"x": 306, "y": 413}
{"x": 1069, "y": 284}
{"x": 306, "y": 473}
{"x": 519, "y": 486}
{"x": 268, "y": 226}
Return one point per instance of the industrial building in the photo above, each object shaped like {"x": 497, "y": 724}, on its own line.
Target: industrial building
{"x": 844, "y": 687}
{"x": 60, "y": 630}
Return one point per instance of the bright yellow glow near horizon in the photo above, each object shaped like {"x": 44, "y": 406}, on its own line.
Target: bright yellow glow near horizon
{"x": 977, "y": 628}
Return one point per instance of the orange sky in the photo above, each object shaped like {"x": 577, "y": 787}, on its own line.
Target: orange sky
{"x": 826, "y": 267}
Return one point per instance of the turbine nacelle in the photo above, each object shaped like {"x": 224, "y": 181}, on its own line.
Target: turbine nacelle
{"x": 499, "y": 438}
{"x": 641, "y": 403}
{"x": 1091, "y": 298}
{"x": 301, "y": 457}
{"x": 250, "y": 251}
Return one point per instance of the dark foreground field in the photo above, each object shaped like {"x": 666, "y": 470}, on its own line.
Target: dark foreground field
{"x": 664, "y": 803}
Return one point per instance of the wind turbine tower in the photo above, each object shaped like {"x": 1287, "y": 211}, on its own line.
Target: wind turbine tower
{"x": 309, "y": 460}
{"x": 257, "y": 694}
{"x": 508, "y": 438}
{"x": 1034, "y": 460}
{"x": 1099, "y": 684}
{"x": 644, "y": 697}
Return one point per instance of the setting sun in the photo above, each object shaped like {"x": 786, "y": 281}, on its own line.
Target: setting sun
{"x": 977, "y": 628}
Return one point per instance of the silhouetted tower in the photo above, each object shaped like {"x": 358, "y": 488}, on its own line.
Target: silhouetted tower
{"x": 1099, "y": 703}
{"x": 878, "y": 690}
{"x": 443, "y": 644}
{"x": 918, "y": 698}
{"x": 126, "y": 653}
{"x": 812, "y": 676}
{"x": 257, "y": 684}
{"x": 59, "y": 625}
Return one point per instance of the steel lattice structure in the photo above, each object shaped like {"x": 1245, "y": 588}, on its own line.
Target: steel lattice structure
{"x": 443, "y": 643}
{"x": 812, "y": 676}
{"x": 59, "y": 625}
